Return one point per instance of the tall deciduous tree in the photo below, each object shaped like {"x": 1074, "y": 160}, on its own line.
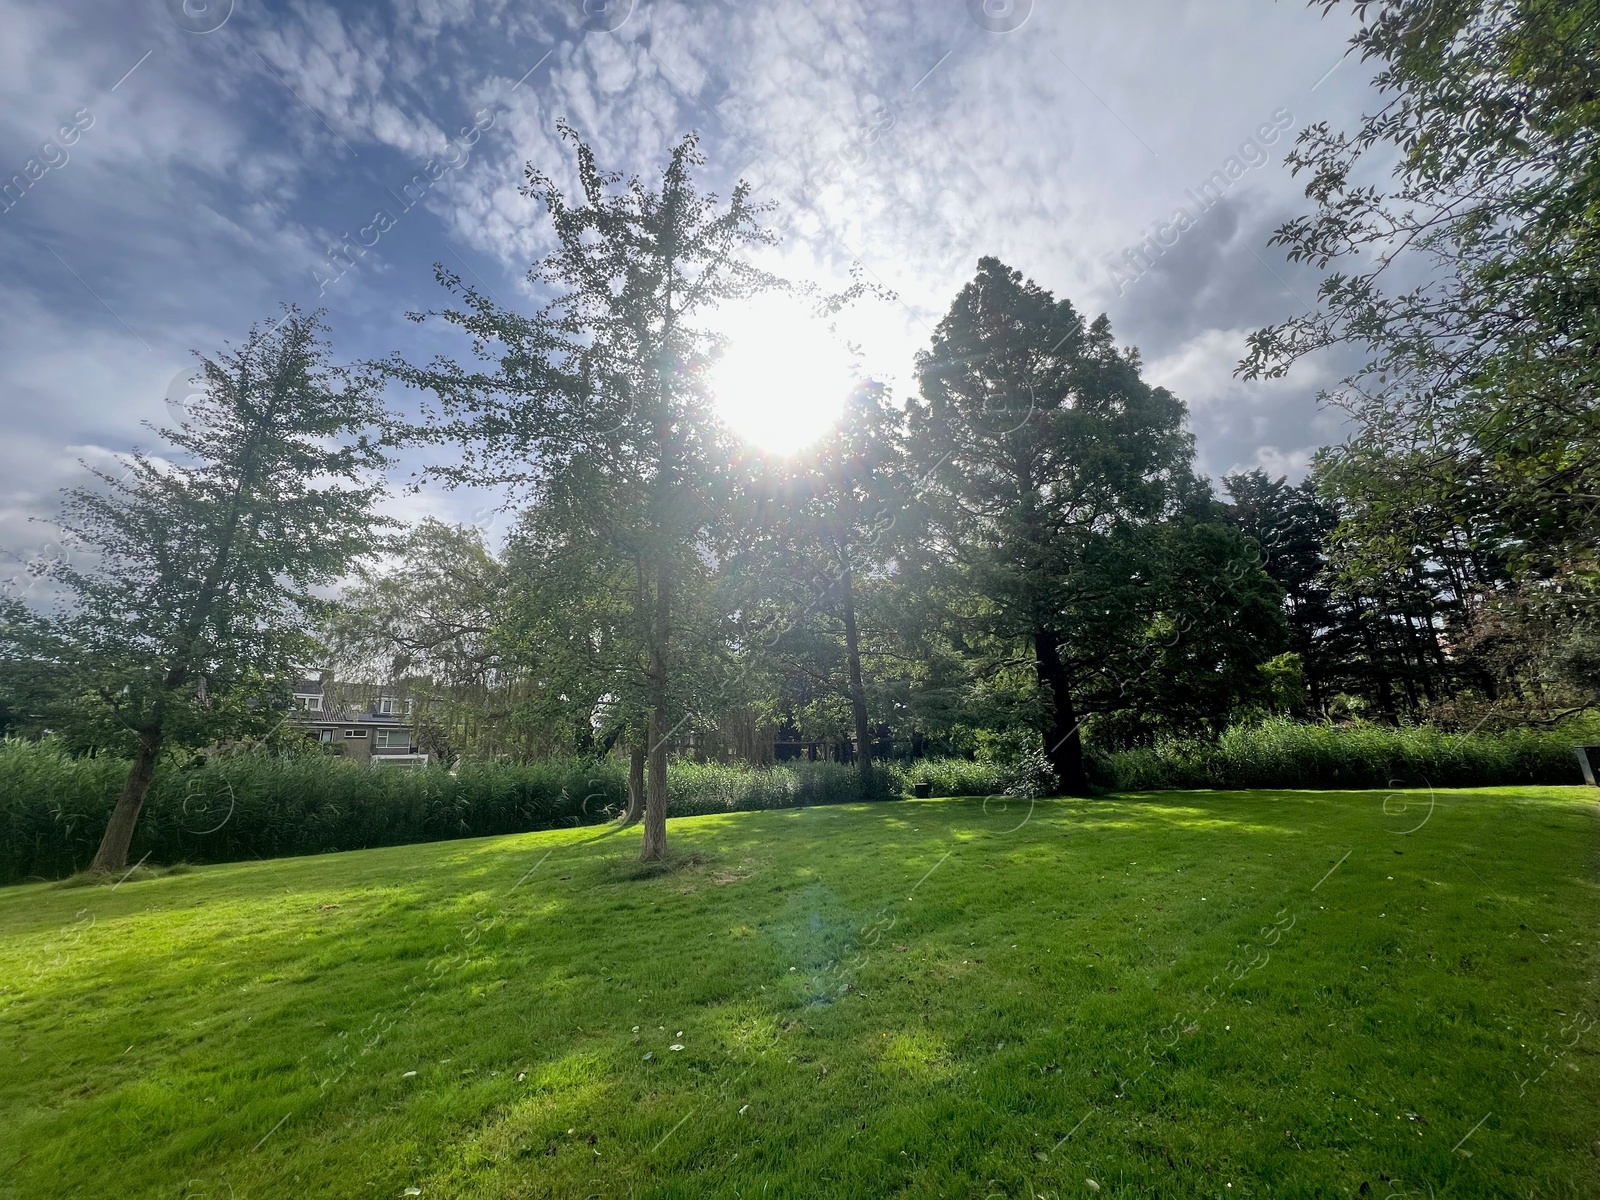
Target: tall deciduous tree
{"x": 596, "y": 402}
{"x": 429, "y": 622}
{"x": 432, "y": 612}
{"x": 1034, "y": 438}
{"x": 825, "y": 522}
{"x": 193, "y": 579}
{"x": 1469, "y": 280}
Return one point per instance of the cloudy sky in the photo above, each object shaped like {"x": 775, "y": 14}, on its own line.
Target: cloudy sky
{"x": 178, "y": 168}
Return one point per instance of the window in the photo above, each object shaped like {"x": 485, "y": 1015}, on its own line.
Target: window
{"x": 392, "y": 739}
{"x": 325, "y": 735}
{"x": 355, "y": 733}
{"x": 311, "y": 703}
{"x": 386, "y": 706}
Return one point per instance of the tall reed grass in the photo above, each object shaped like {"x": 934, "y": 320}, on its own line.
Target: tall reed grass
{"x": 1281, "y": 753}
{"x": 53, "y": 806}
{"x": 950, "y": 777}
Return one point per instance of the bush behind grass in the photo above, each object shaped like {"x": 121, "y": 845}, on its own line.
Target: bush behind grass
{"x": 952, "y": 776}
{"x": 53, "y": 806}
{"x": 1280, "y": 753}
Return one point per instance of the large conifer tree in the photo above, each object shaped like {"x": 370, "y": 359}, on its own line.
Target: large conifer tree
{"x": 1034, "y": 440}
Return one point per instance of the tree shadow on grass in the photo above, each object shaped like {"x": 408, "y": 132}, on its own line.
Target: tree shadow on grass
{"x": 138, "y": 874}
{"x": 675, "y": 862}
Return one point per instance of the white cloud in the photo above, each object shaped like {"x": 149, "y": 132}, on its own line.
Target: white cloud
{"x": 1243, "y": 423}
{"x": 207, "y": 190}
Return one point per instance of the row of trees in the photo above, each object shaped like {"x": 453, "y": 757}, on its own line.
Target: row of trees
{"x": 1017, "y": 554}
{"x": 1458, "y": 231}
{"x": 1025, "y": 542}
{"x": 1020, "y": 550}
{"x": 856, "y": 646}
{"x": 1392, "y": 619}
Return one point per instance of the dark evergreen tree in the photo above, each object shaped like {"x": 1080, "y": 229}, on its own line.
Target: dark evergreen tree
{"x": 1047, "y": 468}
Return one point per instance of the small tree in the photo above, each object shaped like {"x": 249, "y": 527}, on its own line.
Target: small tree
{"x": 596, "y": 403}
{"x": 36, "y": 672}
{"x": 428, "y": 622}
{"x": 189, "y": 615}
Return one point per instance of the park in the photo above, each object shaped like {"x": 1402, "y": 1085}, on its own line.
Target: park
{"x": 749, "y": 636}
{"x": 1155, "y": 994}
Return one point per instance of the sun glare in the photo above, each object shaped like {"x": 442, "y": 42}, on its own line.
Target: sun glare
{"x": 784, "y": 378}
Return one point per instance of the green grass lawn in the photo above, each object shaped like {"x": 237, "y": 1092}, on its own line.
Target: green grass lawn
{"x": 1179, "y": 994}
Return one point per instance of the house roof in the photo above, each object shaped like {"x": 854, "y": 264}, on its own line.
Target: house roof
{"x": 349, "y": 714}
{"x": 348, "y": 703}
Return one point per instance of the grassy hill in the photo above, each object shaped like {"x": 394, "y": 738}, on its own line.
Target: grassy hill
{"x": 1295, "y": 994}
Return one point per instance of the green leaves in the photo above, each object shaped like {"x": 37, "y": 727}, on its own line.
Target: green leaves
{"x": 195, "y": 575}
{"x": 1485, "y": 355}
{"x": 1064, "y": 523}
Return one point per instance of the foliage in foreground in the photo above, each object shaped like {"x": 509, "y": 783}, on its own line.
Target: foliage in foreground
{"x": 912, "y": 1000}
{"x": 1474, "y": 397}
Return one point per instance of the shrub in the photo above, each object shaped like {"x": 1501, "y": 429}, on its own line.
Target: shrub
{"x": 949, "y": 776}
{"x": 1282, "y": 753}
{"x": 53, "y": 807}
{"x": 696, "y": 789}
{"x": 1031, "y": 776}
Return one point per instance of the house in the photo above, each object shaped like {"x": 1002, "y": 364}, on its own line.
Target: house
{"x": 361, "y": 721}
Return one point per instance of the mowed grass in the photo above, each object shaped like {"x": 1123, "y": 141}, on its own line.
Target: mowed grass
{"x": 1173, "y": 994}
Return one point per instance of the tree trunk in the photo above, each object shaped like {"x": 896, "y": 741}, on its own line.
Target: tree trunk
{"x": 655, "y": 801}
{"x": 1063, "y": 744}
{"x": 636, "y": 757}
{"x": 1379, "y": 670}
{"x": 666, "y": 493}
{"x": 113, "y": 852}
{"x": 858, "y": 693}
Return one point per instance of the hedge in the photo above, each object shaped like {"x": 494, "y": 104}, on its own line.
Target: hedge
{"x": 54, "y": 806}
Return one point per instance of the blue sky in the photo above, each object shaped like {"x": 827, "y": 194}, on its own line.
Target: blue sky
{"x": 219, "y": 151}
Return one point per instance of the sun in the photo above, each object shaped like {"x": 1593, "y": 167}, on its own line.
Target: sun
{"x": 784, "y": 378}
